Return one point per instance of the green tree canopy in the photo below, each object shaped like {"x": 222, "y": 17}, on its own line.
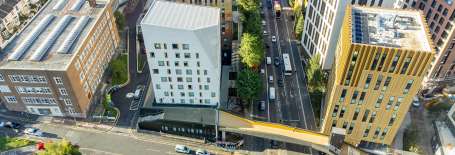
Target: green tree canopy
{"x": 119, "y": 19}
{"x": 248, "y": 5}
{"x": 251, "y": 50}
{"x": 251, "y": 22}
{"x": 249, "y": 85}
{"x": 315, "y": 75}
{"x": 299, "y": 27}
{"x": 63, "y": 147}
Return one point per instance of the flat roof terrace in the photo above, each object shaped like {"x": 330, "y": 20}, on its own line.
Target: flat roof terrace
{"x": 389, "y": 28}
{"x": 52, "y": 37}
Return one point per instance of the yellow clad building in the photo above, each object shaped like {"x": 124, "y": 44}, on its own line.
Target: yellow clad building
{"x": 381, "y": 58}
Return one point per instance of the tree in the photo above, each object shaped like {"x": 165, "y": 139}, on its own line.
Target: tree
{"x": 248, "y": 5}
{"x": 315, "y": 75}
{"x": 299, "y": 27}
{"x": 251, "y": 50}
{"x": 248, "y": 85}
{"x": 63, "y": 147}
{"x": 251, "y": 22}
{"x": 119, "y": 20}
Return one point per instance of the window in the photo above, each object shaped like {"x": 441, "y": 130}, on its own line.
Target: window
{"x": 63, "y": 91}
{"x": 365, "y": 115}
{"x": 206, "y": 87}
{"x": 163, "y": 79}
{"x": 179, "y": 79}
{"x": 38, "y": 100}
{"x": 367, "y": 131}
{"x": 180, "y": 87}
{"x": 378, "y": 82}
{"x": 376, "y": 133}
{"x": 345, "y": 125}
{"x": 205, "y": 72}
{"x": 397, "y": 105}
{"x": 394, "y": 62}
{"x": 407, "y": 60}
{"x": 375, "y": 61}
{"x": 351, "y": 127}
{"x": 152, "y": 54}
{"x": 379, "y": 101}
{"x": 68, "y": 102}
{"x": 176, "y": 64}
{"x": 384, "y": 132}
{"x": 392, "y": 120}
{"x": 386, "y": 83}
{"x": 166, "y": 93}
{"x": 178, "y": 71}
{"x": 155, "y": 71}
{"x": 408, "y": 86}
{"x": 356, "y": 114}
{"x": 157, "y": 46}
{"x": 343, "y": 95}
{"x": 335, "y": 111}
{"x": 189, "y": 72}
{"x": 187, "y": 55}
{"x": 160, "y": 63}
{"x": 11, "y": 99}
{"x": 334, "y": 123}
{"x": 28, "y": 78}
{"x": 186, "y": 46}
{"x": 197, "y": 55}
{"x": 362, "y": 98}
{"x": 354, "y": 96}
{"x": 157, "y": 86}
{"x": 4, "y": 89}
{"x": 213, "y": 94}
{"x": 342, "y": 112}
{"x": 389, "y": 104}
{"x": 367, "y": 82}
{"x": 175, "y": 46}
{"x": 58, "y": 80}
{"x": 33, "y": 90}
{"x": 381, "y": 63}
{"x": 373, "y": 116}
{"x": 185, "y": 63}
{"x": 191, "y": 94}
{"x": 177, "y": 55}
{"x": 189, "y": 79}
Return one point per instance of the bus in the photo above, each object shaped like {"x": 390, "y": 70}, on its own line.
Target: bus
{"x": 277, "y": 7}
{"x": 272, "y": 93}
{"x": 287, "y": 64}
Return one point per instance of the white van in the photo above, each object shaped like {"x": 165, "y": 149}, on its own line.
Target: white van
{"x": 270, "y": 79}
{"x": 269, "y": 60}
{"x": 182, "y": 149}
{"x": 272, "y": 93}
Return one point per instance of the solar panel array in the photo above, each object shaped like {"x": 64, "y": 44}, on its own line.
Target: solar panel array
{"x": 59, "y": 5}
{"x": 77, "y": 6}
{"x": 74, "y": 33}
{"x": 50, "y": 39}
{"x": 28, "y": 41}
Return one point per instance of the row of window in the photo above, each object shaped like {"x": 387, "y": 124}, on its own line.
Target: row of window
{"x": 366, "y": 132}
{"x": 177, "y": 63}
{"x": 182, "y": 87}
{"x": 183, "y": 101}
{"x": 183, "y": 94}
{"x": 28, "y": 78}
{"x": 174, "y": 46}
{"x": 33, "y": 90}
{"x": 180, "y": 79}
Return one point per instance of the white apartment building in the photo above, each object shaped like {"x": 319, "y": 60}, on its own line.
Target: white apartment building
{"x": 183, "y": 52}
{"x": 323, "y": 19}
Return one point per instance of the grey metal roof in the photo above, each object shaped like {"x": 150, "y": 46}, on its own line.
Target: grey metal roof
{"x": 181, "y": 16}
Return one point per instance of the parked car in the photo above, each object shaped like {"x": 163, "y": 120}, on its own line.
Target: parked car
{"x": 265, "y": 33}
{"x": 268, "y": 60}
{"x": 270, "y": 79}
{"x": 277, "y": 61}
{"x": 34, "y": 132}
{"x": 182, "y": 149}
{"x": 202, "y": 152}
{"x": 263, "y": 23}
{"x": 12, "y": 125}
{"x": 273, "y": 39}
{"x": 138, "y": 92}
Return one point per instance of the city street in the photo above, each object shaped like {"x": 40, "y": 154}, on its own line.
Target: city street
{"x": 292, "y": 104}
{"x": 127, "y": 116}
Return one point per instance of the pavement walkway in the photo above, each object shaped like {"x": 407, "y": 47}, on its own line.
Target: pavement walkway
{"x": 27, "y": 150}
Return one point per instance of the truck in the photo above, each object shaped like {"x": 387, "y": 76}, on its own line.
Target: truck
{"x": 277, "y": 8}
{"x": 272, "y": 93}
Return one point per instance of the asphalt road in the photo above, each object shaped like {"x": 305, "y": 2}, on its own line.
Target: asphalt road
{"x": 127, "y": 116}
{"x": 292, "y": 104}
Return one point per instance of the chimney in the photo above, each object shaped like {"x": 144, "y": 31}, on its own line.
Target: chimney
{"x": 92, "y": 3}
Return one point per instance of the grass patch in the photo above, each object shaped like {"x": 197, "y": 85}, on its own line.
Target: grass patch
{"x": 7, "y": 143}
{"x": 316, "y": 100}
{"x": 119, "y": 69}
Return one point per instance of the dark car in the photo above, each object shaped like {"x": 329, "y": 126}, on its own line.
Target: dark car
{"x": 12, "y": 125}
{"x": 277, "y": 61}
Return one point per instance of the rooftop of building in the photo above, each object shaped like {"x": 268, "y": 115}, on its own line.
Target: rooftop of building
{"x": 389, "y": 28}
{"x": 50, "y": 39}
{"x": 181, "y": 15}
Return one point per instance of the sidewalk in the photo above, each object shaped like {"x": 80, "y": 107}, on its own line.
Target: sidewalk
{"x": 28, "y": 150}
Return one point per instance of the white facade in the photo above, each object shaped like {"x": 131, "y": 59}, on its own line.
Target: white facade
{"x": 183, "y": 53}
{"x": 323, "y": 20}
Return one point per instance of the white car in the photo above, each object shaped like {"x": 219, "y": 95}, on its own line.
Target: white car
{"x": 265, "y": 32}
{"x": 182, "y": 149}
{"x": 263, "y": 23}
{"x": 273, "y": 39}
{"x": 202, "y": 152}
{"x": 33, "y": 131}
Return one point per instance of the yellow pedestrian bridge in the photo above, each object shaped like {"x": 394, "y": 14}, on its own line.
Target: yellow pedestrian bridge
{"x": 279, "y": 132}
